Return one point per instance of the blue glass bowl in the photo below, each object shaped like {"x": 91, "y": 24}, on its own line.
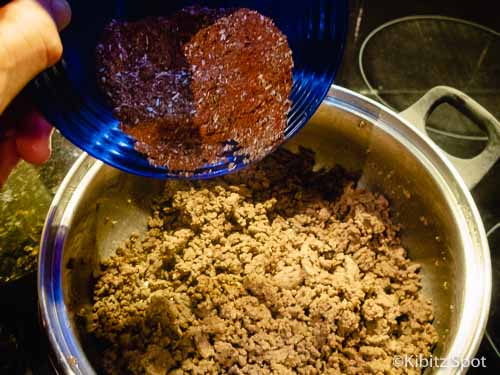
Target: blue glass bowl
{"x": 69, "y": 97}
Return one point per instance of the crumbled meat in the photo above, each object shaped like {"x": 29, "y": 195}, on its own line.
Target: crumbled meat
{"x": 274, "y": 270}
{"x": 198, "y": 85}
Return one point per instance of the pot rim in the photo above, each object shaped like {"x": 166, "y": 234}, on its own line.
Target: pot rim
{"x": 477, "y": 275}
{"x": 69, "y": 355}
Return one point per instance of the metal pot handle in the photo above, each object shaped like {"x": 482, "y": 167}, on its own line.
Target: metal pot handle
{"x": 474, "y": 169}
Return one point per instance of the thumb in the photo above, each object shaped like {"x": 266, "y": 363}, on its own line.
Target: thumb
{"x": 29, "y": 42}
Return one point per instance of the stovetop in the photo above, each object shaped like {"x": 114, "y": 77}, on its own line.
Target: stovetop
{"x": 396, "y": 50}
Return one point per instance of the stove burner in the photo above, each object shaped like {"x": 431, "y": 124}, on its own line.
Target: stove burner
{"x": 402, "y": 59}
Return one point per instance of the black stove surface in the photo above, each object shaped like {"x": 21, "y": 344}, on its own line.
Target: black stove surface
{"x": 23, "y": 348}
{"x": 405, "y": 51}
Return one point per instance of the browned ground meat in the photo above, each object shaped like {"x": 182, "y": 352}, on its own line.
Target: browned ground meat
{"x": 274, "y": 270}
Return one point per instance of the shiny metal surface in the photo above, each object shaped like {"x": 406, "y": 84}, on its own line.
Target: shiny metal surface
{"x": 97, "y": 207}
{"x": 474, "y": 169}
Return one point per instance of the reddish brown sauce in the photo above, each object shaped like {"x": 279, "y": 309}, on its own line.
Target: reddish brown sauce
{"x": 186, "y": 86}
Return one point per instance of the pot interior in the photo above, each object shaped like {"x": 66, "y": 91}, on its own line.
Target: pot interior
{"x": 108, "y": 205}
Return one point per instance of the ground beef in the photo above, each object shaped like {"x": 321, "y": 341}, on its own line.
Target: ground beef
{"x": 274, "y": 270}
{"x": 195, "y": 86}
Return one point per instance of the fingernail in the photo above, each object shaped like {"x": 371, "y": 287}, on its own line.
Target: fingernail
{"x": 61, "y": 12}
{"x": 50, "y": 140}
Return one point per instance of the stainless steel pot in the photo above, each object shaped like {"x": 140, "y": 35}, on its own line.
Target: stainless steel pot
{"x": 96, "y": 207}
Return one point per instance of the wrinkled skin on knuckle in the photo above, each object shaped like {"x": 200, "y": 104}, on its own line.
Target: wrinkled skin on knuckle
{"x": 29, "y": 43}
{"x": 45, "y": 37}
{"x": 29, "y": 36}
{"x": 53, "y": 50}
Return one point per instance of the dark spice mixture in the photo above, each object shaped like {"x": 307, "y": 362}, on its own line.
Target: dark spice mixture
{"x": 190, "y": 86}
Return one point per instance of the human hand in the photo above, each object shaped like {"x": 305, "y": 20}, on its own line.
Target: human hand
{"x": 29, "y": 43}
